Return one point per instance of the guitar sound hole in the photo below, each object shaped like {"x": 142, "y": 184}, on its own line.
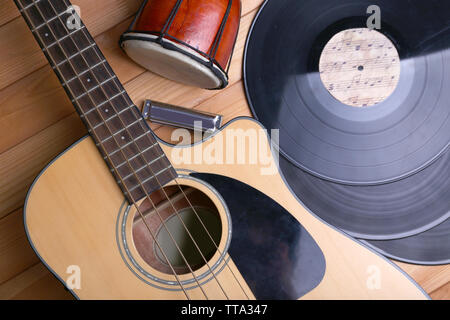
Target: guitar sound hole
{"x": 183, "y": 235}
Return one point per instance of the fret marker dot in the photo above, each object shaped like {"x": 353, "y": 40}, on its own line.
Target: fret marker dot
{"x": 46, "y": 34}
{"x": 123, "y": 138}
{"x": 88, "y": 79}
{"x": 106, "y": 110}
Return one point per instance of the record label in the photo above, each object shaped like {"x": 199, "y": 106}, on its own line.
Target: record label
{"x": 360, "y": 67}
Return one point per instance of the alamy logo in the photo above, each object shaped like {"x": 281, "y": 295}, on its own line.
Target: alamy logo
{"x": 374, "y": 21}
{"x": 236, "y": 146}
{"x": 374, "y": 279}
{"x": 73, "y": 21}
{"x": 74, "y": 280}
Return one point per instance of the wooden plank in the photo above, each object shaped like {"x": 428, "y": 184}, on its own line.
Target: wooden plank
{"x": 21, "y": 55}
{"x": 442, "y": 293}
{"x": 9, "y": 12}
{"x": 22, "y": 163}
{"x": 36, "y": 283}
{"x": 430, "y": 277}
{"x": 16, "y": 254}
{"x": 38, "y": 100}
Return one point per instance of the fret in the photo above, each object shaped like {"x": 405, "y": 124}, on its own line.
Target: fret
{"x": 154, "y": 161}
{"x": 123, "y": 130}
{"x": 109, "y": 115}
{"x": 127, "y": 144}
{"x": 126, "y": 161}
{"x": 85, "y": 72}
{"x": 73, "y": 62}
{"x": 136, "y": 171}
{"x": 161, "y": 157}
{"x": 105, "y": 102}
{"x": 35, "y": 18}
{"x": 143, "y": 152}
{"x": 94, "y": 88}
{"x": 73, "y": 56}
{"x": 150, "y": 178}
{"x": 47, "y": 22}
{"x": 50, "y": 8}
{"x": 135, "y": 156}
{"x": 48, "y": 46}
{"x": 135, "y": 161}
{"x": 26, "y": 7}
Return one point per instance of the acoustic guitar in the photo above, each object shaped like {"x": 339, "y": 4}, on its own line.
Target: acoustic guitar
{"x": 119, "y": 216}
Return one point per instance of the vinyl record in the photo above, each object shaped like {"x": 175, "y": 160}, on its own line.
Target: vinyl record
{"x": 372, "y": 145}
{"x": 390, "y": 211}
{"x": 429, "y": 248}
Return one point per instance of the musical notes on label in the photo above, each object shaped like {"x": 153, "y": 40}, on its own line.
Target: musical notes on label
{"x": 360, "y": 67}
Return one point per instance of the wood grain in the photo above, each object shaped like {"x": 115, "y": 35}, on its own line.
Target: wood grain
{"x": 38, "y": 100}
{"x": 21, "y": 164}
{"x": 37, "y": 122}
{"x": 21, "y": 55}
{"x": 431, "y": 278}
{"x": 8, "y": 12}
{"x": 15, "y": 249}
{"x": 442, "y": 293}
{"x": 36, "y": 283}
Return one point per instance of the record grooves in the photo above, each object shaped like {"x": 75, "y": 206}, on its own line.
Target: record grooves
{"x": 359, "y": 146}
{"x": 381, "y": 172}
{"x": 428, "y": 248}
{"x": 391, "y": 211}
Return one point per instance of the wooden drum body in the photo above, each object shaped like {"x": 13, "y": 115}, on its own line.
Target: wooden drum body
{"x": 189, "y": 41}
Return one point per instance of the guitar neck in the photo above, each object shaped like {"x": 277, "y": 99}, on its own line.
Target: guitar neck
{"x": 120, "y": 132}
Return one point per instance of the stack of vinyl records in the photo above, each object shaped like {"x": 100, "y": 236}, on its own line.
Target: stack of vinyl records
{"x": 360, "y": 95}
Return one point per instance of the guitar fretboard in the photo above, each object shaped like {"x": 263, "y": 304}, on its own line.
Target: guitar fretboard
{"x": 114, "y": 122}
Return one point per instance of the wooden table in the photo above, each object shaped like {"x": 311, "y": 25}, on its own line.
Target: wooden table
{"x": 37, "y": 122}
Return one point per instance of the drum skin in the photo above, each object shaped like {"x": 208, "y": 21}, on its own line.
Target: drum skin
{"x": 197, "y": 23}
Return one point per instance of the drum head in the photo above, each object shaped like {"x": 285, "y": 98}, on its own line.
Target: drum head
{"x": 173, "y": 61}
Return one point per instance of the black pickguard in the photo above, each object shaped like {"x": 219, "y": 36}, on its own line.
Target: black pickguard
{"x": 276, "y": 256}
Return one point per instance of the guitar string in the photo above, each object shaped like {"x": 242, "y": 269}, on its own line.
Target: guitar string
{"x": 113, "y": 135}
{"x": 198, "y": 218}
{"x": 213, "y": 49}
{"x": 152, "y": 172}
{"x": 107, "y": 153}
{"x": 22, "y": 9}
{"x": 212, "y": 239}
{"x": 181, "y": 190}
{"x": 201, "y": 222}
{"x": 155, "y": 208}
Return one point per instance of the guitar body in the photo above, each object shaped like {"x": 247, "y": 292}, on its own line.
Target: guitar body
{"x": 270, "y": 246}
